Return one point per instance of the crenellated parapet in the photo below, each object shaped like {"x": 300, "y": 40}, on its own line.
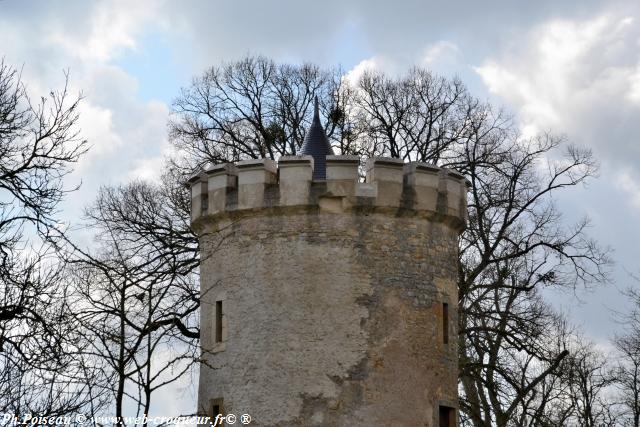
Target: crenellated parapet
{"x": 390, "y": 185}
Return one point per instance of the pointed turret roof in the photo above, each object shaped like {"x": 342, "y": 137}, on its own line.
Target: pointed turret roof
{"x": 316, "y": 144}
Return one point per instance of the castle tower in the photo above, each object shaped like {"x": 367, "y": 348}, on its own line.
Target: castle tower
{"x": 329, "y": 301}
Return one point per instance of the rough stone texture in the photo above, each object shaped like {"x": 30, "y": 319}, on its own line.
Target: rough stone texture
{"x": 332, "y": 309}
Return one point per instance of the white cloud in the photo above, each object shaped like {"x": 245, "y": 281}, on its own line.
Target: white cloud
{"x": 580, "y": 78}
{"x": 629, "y": 184}
{"x": 634, "y": 92}
{"x": 97, "y": 127}
{"x": 435, "y": 56}
{"x": 105, "y": 30}
{"x": 564, "y": 69}
{"x": 123, "y": 131}
{"x": 370, "y": 64}
{"x": 127, "y": 135}
{"x": 441, "y": 51}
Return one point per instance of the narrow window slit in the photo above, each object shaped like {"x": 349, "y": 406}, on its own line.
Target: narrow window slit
{"x": 445, "y": 323}
{"x": 218, "y": 321}
{"x": 447, "y": 417}
{"x": 217, "y": 409}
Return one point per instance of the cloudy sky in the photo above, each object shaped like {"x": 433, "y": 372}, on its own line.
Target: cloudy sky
{"x": 569, "y": 67}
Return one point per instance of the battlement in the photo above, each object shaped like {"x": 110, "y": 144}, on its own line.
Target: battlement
{"x": 390, "y": 186}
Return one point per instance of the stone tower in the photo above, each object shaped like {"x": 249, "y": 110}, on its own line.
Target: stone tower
{"x": 327, "y": 300}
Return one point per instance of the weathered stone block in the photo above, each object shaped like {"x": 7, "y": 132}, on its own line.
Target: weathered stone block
{"x": 199, "y": 196}
{"x": 253, "y": 177}
{"x": 388, "y": 175}
{"x": 295, "y": 176}
{"x": 222, "y": 179}
{"x": 342, "y": 175}
{"x": 366, "y": 189}
{"x": 424, "y": 181}
{"x": 455, "y": 188}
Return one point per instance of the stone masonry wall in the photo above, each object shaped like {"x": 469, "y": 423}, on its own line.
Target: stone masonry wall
{"x": 332, "y": 305}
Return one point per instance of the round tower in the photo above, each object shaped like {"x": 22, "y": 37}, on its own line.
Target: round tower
{"x": 329, "y": 301}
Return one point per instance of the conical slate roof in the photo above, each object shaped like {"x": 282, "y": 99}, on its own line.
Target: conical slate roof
{"x": 316, "y": 144}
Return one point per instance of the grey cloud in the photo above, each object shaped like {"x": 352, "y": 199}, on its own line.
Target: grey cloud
{"x": 307, "y": 31}
{"x": 596, "y": 112}
{"x": 576, "y": 77}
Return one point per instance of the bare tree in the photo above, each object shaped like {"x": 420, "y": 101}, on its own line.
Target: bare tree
{"x": 516, "y": 242}
{"x": 513, "y": 347}
{"x": 39, "y": 143}
{"x": 627, "y": 369}
{"x": 418, "y": 117}
{"x": 135, "y": 294}
{"x": 589, "y": 380}
{"x": 254, "y": 108}
{"x": 627, "y": 376}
